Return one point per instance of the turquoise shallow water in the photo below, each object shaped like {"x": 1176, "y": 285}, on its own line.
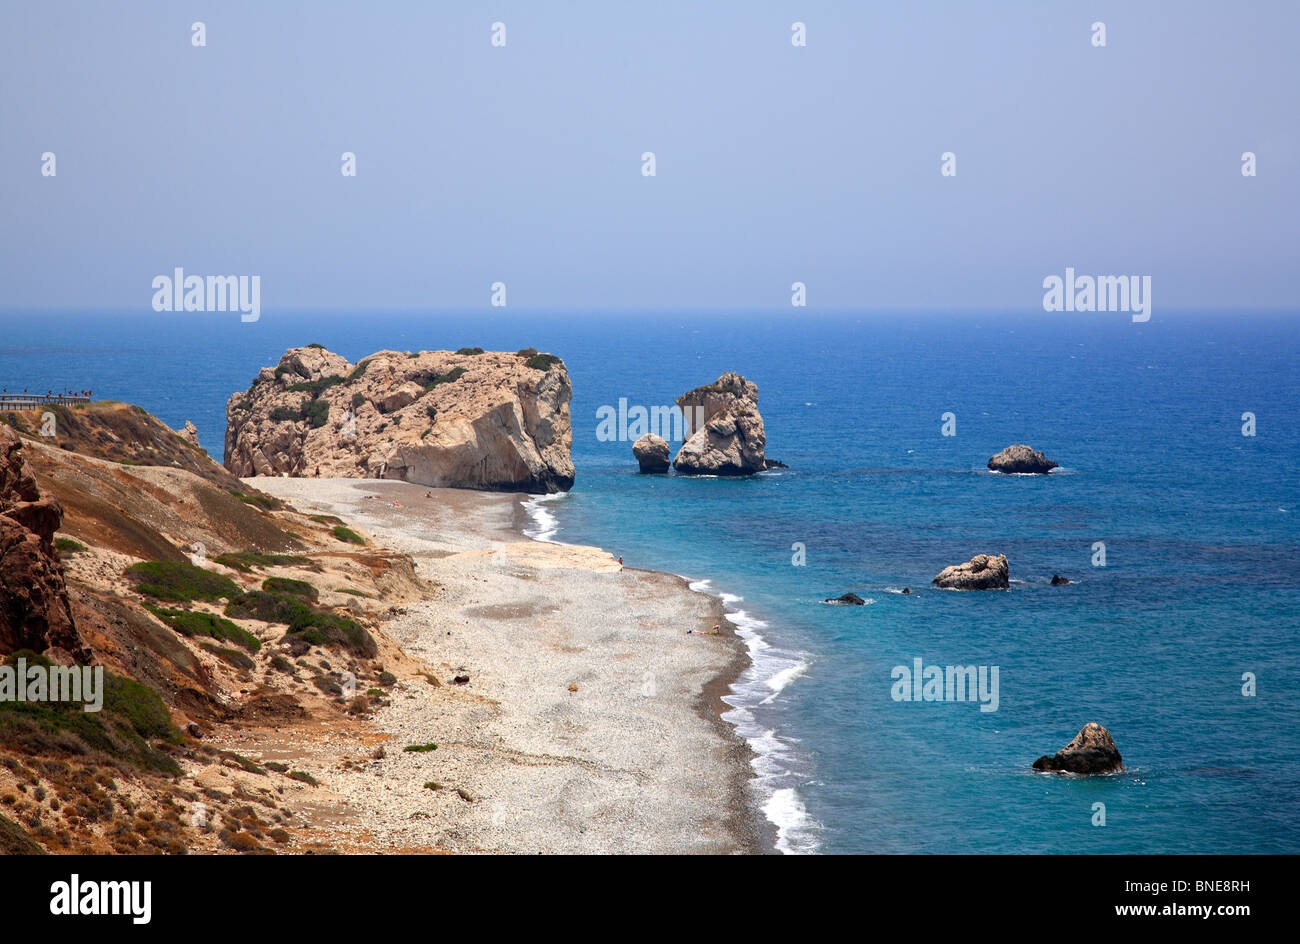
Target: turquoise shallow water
{"x": 1199, "y": 523}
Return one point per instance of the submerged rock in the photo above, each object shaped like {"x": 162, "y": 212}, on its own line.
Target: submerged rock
{"x": 1092, "y": 751}
{"x": 724, "y": 430}
{"x": 847, "y": 599}
{"x": 1021, "y": 460}
{"x": 651, "y": 452}
{"x": 981, "y": 572}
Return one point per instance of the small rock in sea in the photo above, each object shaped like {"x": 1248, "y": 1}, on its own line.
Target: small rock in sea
{"x": 774, "y": 464}
{"x": 1059, "y": 581}
{"x": 460, "y": 680}
{"x": 651, "y": 452}
{"x": 907, "y": 590}
{"x": 1021, "y": 460}
{"x": 981, "y": 572}
{"x": 573, "y": 686}
{"x": 1092, "y": 751}
{"x": 848, "y": 599}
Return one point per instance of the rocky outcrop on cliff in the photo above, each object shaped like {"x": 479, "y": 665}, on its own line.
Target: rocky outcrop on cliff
{"x": 190, "y": 433}
{"x": 724, "y": 430}
{"x": 652, "y": 454}
{"x": 1021, "y": 460}
{"x": 470, "y": 419}
{"x": 1092, "y": 751}
{"x": 34, "y": 609}
{"x": 981, "y": 572}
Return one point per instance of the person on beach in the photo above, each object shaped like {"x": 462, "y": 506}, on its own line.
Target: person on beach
{"x": 620, "y": 562}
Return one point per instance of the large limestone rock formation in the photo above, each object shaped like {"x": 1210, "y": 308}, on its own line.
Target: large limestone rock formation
{"x": 651, "y": 453}
{"x": 981, "y": 572}
{"x": 488, "y": 420}
{"x": 34, "y": 609}
{"x": 724, "y": 430}
{"x": 1092, "y": 751}
{"x": 1023, "y": 460}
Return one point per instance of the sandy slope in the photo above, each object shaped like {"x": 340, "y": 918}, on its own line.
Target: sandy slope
{"x": 634, "y": 760}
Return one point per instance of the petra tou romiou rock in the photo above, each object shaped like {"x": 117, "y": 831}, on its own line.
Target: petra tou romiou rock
{"x": 1092, "y": 751}
{"x": 1021, "y": 460}
{"x": 470, "y": 419}
{"x": 981, "y": 572}
{"x": 651, "y": 453}
{"x": 724, "y": 430}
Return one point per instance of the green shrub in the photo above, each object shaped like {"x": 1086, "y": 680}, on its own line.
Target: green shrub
{"x": 542, "y": 361}
{"x": 284, "y": 414}
{"x": 526, "y": 352}
{"x": 297, "y": 588}
{"x": 304, "y": 777}
{"x": 310, "y": 624}
{"x": 359, "y": 371}
{"x": 420, "y": 748}
{"x": 245, "y": 561}
{"x": 327, "y": 685}
{"x": 449, "y": 377}
{"x": 317, "y": 413}
{"x": 68, "y": 546}
{"x": 319, "y": 347}
{"x": 315, "y": 387}
{"x": 326, "y": 519}
{"x": 470, "y": 350}
{"x": 357, "y": 400}
{"x": 191, "y": 623}
{"x": 180, "y": 582}
{"x": 433, "y": 413}
{"x": 131, "y": 715}
{"x": 265, "y": 502}
{"x": 347, "y": 534}
{"x": 232, "y": 656}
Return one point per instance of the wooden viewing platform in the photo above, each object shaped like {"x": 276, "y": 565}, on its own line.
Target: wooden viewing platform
{"x": 31, "y": 401}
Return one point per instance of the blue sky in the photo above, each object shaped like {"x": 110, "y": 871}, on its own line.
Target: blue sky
{"x": 774, "y": 163}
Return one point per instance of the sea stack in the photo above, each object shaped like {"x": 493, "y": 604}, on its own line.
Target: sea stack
{"x": 651, "y": 453}
{"x": 470, "y": 419}
{"x": 1092, "y": 751}
{"x": 981, "y": 572}
{"x": 724, "y": 430}
{"x": 1021, "y": 460}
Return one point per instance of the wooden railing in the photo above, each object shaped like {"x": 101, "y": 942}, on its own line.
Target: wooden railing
{"x": 31, "y": 401}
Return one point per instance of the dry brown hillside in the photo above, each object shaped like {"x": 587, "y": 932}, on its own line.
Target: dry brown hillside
{"x": 222, "y": 617}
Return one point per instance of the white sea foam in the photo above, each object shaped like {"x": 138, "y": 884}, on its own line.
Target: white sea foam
{"x": 543, "y": 521}
{"x": 776, "y": 758}
{"x": 796, "y": 830}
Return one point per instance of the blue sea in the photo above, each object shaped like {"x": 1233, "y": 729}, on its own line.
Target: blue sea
{"x": 1200, "y": 526}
